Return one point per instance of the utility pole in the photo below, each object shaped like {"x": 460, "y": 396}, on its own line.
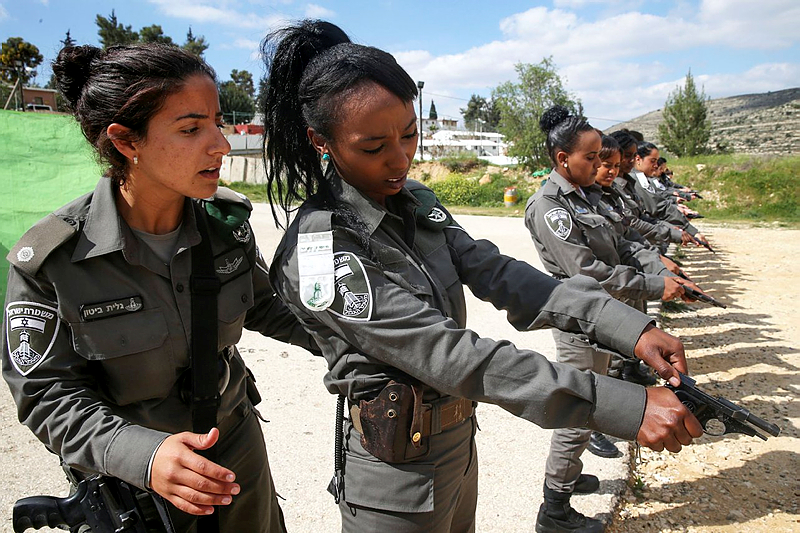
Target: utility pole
{"x": 420, "y": 85}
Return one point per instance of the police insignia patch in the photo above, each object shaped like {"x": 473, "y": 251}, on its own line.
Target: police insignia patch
{"x": 559, "y": 222}
{"x": 25, "y": 254}
{"x": 437, "y": 215}
{"x": 353, "y": 299}
{"x": 242, "y": 233}
{"x": 31, "y": 330}
{"x": 315, "y": 269}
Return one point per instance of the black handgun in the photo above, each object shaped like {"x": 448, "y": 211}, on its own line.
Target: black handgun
{"x": 711, "y": 412}
{"x": 696, "y": 295}
{"x": 704, "y": 244}
{"x": 104, "y": 504}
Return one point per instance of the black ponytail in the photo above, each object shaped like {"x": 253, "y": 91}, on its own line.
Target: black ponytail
{"x": 644, "y": 148}
{"x": 312, "y": 67}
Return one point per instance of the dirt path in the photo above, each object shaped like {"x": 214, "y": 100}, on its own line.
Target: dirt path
{"x": 748, "y": 353}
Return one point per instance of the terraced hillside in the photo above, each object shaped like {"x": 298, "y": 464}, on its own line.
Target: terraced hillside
{"x": 766, "y": 123}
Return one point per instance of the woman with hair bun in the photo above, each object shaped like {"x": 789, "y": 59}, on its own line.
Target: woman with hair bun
{"x": 114, "y": 298}
{"x": 574, "y": 239}
{"x": 374, "y": 267}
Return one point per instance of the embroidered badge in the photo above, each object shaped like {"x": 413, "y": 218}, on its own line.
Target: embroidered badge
{"x": 559, "y": 222}
{"x": 242, "y": 233}
{"x": 437, "y": 215}
{"x": 315, "y": 269}
{"x": 25, "y": 254}
{"x": 31, "y": 330}
{"x": 231, "y": 264}
{"x": 111, "y": 308}
{"x": 353, "y": 299}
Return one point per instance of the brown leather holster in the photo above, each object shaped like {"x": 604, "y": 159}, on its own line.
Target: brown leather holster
{"x": 391, "y": 424}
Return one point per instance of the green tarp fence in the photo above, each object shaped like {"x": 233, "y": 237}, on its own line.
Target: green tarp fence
{"x": 45, "y": 162}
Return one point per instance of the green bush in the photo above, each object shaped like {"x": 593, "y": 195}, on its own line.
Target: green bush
{"x": 456, "y": 190}
{"x": 463, "y": 164}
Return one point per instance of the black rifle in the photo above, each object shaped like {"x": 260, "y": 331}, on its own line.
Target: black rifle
{"x": 696, "y": 295}
{"x": 104, "y": 504}
{"x": 718, "y": 410}
{"x": 704, "y": 244}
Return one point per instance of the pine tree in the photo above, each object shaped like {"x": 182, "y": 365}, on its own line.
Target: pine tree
{"x": 432, "y": 114}
{"x": 685, "y": 129}
{"x": 68, "y": 40}
{"x": 112, "y": 32}
{"x": 195, "y": 45}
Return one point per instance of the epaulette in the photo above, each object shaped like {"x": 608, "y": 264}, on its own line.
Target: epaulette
{"x": 429, "y": 213}
{"x": 39, "y": 242}
{"x": 228, "y": 212}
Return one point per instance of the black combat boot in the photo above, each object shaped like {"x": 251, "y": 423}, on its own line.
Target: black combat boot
{"x": 557, "y": 516}
{"x": 601, "y": 446}
{"x": 586, "y": 484}
{"x": 631, "y": 371}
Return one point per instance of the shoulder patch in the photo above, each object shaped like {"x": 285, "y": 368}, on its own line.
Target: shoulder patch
{"x": 559, "y": 222}
{"x": 353, "y": 299}
{"x": 31, "y": 330}
{"x": 430, "y": 213}
{"x": 315, "y": 265}
{"x": 38, "y": 242}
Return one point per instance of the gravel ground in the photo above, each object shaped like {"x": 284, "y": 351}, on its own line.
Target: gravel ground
{"x": 748, "y": 354}
{"x": 732, "y": 482}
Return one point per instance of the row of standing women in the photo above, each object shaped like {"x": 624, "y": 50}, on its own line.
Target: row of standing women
{"x": 584, "y": 222}
{"x": 369, "y": 274}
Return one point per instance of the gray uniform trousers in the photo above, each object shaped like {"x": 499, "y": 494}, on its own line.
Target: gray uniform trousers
{"x": 564, "y": 463}
{"x": 242, "y": 450}
{"x": 393, "y": 504}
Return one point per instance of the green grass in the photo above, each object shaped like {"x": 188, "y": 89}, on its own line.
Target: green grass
{"x": 735, "y": 188}
{"x": 743, "y": 188}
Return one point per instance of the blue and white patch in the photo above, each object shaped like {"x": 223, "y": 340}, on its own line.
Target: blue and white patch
{"x": 581, "y": 210}
{"x": 353, "y": 299}
{"x": 31, "y": 330}
{"x": 315, "y": 269}
{"x": 559, "y": 222}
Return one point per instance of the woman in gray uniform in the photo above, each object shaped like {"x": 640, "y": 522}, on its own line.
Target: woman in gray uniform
{"x": 99, "y": 307}
{"x": 374, "y": 267}
{"x": 573, "y": 238}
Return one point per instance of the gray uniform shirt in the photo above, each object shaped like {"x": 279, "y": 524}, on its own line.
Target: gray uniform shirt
{"x": 650, "y": 228}
{"x": 659, "y": 206}
{"x": 98, "y": 330}
{"x": 400, "y": 312}
{"x": 572, "y": 238}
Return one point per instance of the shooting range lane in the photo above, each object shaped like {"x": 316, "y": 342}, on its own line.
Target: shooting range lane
{"x": 748, "y": 354}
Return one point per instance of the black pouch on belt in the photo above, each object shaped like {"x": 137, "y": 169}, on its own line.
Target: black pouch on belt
{"x": 389, "y": 421}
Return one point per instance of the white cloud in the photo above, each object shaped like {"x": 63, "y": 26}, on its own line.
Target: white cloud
{"x": 218, "y": 12}
{"x": 315, "y": 11}
{"x": 3, "y": 13}
{"x": 599, "y": 57}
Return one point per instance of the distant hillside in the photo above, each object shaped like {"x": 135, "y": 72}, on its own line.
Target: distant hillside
{"x": 766, "y": 123}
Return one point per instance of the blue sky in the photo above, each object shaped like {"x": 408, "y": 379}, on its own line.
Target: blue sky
{"x": 620, "y": 57}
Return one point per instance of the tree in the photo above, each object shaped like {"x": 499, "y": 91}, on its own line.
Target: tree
{"x": 432, "y": 114}
{"x": 154, "y": 34}
{"x": 112, "y": 32}
{"x": 233, "y": 101}
{"x": 195, "y": 45}
{"x": 16, "y": 49}
{"x": 521, "y": 105}
{"x": 244, "y": 80}
{"x": 685, "y": 129}
{"x": 480, "y": 113}
{"x": 68, "y": 40}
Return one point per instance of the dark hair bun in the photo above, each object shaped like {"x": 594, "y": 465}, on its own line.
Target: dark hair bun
{"x": 72, "y": 68}
{"x": 553, "y": 117}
